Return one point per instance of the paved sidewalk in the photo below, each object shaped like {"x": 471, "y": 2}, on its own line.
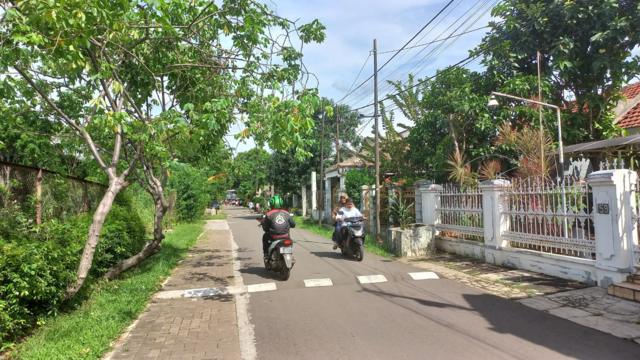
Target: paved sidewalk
{"x": 588, "y": 306}
{"x": 201, "y": 327}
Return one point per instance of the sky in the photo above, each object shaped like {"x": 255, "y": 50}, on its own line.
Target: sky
{"x": 351, "y": 26}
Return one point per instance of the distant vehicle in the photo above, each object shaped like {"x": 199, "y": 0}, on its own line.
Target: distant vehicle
{"x": 231, "y": 195}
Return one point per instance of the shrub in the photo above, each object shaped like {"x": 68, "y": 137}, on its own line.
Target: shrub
{"x": 354, "y": 180}
{"x": 193, "y": 191}
{"x": 401, "y": 214}
{"x": 37, "y": 263}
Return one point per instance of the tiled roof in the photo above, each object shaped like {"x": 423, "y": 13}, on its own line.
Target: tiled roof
{"x": 631, "y": 118}
{"x": 631, "y": 91}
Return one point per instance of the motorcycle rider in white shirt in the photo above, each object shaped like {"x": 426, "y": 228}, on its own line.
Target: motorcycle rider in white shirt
{"x": 347, "y": 211}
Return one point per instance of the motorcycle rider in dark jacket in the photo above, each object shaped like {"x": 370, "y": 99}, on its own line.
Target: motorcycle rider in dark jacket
{"x": 276, "y": 224}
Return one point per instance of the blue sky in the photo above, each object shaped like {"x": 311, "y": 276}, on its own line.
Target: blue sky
{"x": 353, "y": 24}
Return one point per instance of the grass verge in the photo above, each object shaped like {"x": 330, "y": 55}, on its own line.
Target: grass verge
{"x": 87, "y": 332}
{"x": 326, "y": 231}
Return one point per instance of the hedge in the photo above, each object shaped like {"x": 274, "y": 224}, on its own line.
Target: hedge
{"x": 37, "y": 262}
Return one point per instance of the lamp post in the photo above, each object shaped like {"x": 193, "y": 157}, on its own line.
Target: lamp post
{"x": 493, "y": 103}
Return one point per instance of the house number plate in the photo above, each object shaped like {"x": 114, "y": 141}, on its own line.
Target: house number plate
{"x": 603, "y": 209}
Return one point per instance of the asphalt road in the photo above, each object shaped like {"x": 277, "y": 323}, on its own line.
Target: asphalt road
{"x": 401, "y": 318}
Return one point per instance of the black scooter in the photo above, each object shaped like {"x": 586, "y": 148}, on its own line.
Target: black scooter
{"x": 280, "y": 259}
{"x": 352, "y": 238}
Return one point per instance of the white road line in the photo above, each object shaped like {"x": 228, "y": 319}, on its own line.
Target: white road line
{"x": 246, "y": 334}
{"x": 370, "y": 279}
{"x": 424, "y": 275}
{"x": 318, "y": 282}
{"x": 261, "y": 287}
{"x": 205, "y": 292}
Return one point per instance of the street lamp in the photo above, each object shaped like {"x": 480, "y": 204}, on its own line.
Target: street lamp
{"x": 493, "y": 102}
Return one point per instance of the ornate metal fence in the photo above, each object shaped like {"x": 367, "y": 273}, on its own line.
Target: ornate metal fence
{"x": 460, "y": 213}
{"x": 552, "y": 218}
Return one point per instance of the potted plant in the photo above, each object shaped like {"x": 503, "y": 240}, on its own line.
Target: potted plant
{"x": 406, "y": 238}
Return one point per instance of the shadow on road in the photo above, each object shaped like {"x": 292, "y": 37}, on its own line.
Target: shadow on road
{"x": 327, "y": 254}
{"x": 423, "y": 302}
{"x": 260, "y": 271}
{"x": 512, "y": 318}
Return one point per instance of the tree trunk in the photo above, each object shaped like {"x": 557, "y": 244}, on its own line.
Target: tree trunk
{"x": 5, "y": 182}
{"x": 99, "y": 216}
{"x": 38, "y": 204}
{"x": 150, "y": 248}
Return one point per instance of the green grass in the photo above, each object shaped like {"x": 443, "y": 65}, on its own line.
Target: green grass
{"x": 326, "y": 231}
{"x": 87, "y": 332}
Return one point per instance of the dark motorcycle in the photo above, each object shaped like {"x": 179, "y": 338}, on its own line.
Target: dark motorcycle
{"x": 352, "y": 238}
{"x": 280, "y": 259}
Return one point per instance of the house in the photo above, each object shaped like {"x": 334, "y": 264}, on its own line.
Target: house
{"x": 334, "y": 180}
{"x": 627, "y": 111}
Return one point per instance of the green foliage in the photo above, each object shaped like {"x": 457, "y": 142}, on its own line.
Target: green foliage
{"x": 193, "y": 192}
{"x": 401, "y": 213}
{"x": 354, "y": 180}
{"x": 450, "y": 113}
{"x": 37, "y": 263}
{"x": 88, "y": 331}
{"x": 249, "y": 172}
{"x": 586, "y": 50}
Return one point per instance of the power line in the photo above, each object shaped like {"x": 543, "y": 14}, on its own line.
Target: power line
{"x": 474, "y": 11}
{"x": 404, "y": 46}
{"x": 438, "y": 40}
{"x": 357, "y": 77}
{"x": 479, "y": 13}
{"x": 469, "y": 14}
{"x": 462, "y": 62}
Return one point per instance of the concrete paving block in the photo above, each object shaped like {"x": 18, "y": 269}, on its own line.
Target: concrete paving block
{"x": 613, "y": 327}
{"x": 569, "y": 313}
{"x": 540, "y": 303}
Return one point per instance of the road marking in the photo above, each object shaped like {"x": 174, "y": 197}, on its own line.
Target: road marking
{"x": 424, "y": 275}
{"x": 205, "y": 292}
{"x": 318, "y": 282}
{"x": 246, "y": 333}
{"x": 370, "y": 279}
{"x": 261, "y": 287}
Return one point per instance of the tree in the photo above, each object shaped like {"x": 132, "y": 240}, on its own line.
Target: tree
{"x": 586, "y": 51}
{"x": 394, "y": 149}
{"x": 451, "y": 117}
{"x": 288, "y": 172}
{"x": 250, "y": 171}
{"x": 129, "y": 76}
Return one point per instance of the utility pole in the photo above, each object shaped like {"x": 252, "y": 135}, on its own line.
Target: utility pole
{"x": 321, "y": 207}
{"x": 377, "y": 140}
{"x": 335, "y": 110}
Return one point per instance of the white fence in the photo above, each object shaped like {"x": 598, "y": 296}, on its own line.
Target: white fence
{"x": 460, "y": 213}
{"x": 580, "y": 230}
{"x": 550, "y": 217}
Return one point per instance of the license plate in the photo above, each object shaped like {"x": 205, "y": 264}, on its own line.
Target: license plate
{"x": 286, "y": 250}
